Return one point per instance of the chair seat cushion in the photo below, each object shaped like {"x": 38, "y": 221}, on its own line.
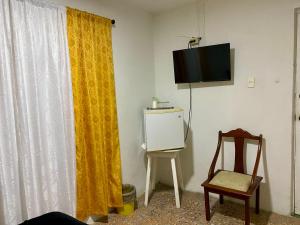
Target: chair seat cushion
{"x": 232, "y": 180}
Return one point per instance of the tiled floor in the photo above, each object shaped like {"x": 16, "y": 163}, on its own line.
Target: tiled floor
{"x": 161, "y": 210}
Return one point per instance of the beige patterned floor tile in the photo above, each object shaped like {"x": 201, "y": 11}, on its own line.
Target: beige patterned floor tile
{"x": 162, "y": 211}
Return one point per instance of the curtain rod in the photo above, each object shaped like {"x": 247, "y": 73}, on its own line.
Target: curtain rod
{"x": 113, "y": 21}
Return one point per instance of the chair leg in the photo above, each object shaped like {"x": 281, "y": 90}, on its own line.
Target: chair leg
{"x": 247, "y": 211}
{"x": 207, "y": 208}
{"x": 153, "y": 180}
{"x": 175, "y": 181}
{"x": 179, "y": 169}
{"x": 257, "y": 201}
{"x": 221, "y": 199}
{"x": 148, "y": 180}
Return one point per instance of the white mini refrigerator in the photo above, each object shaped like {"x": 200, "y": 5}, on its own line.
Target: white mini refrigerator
{"x": 164, "y": 129}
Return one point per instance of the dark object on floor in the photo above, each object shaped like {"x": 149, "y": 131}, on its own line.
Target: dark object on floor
{"x": 129, "y": 200}
{"x": 53, "y": 218}
{"x": 235, "y": 183}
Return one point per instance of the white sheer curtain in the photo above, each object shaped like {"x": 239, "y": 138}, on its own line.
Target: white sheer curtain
{"x": 37, "y": 149}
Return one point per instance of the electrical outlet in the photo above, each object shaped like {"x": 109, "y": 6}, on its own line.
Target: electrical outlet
{"x": 251, "y": 82}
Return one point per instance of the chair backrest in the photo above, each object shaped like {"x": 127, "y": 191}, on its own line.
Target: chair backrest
{"x": 239, "y": 136}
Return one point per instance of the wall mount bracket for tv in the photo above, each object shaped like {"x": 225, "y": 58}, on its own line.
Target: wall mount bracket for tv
{"x": 195, "y": 41}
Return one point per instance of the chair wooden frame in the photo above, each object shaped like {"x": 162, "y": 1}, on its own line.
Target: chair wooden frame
{"x": 239, "y": 136}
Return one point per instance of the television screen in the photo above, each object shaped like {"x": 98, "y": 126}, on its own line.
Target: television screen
{"x": 208, "y": 63}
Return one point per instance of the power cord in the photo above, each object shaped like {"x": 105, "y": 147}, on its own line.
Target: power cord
{"x": 190, "y": 114}
{"x": 190, "y": 43}
{"x": 190, "y": 108}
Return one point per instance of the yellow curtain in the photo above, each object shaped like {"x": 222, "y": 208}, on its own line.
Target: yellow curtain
{"x": 97, "y": 139}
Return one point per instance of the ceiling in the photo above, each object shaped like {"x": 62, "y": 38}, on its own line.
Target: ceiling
{"x": 157, "y": 6}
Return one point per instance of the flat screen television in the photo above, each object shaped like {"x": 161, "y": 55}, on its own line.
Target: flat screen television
{"x": 202, "y": 64}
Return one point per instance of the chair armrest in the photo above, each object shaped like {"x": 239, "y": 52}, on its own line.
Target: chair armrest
{"x": 254, "y": 174}
{"x": 252, "y": 180}
{"x": 215, "y": 159}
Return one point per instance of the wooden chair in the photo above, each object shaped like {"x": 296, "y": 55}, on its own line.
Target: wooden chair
{"x": 235, "y": 183}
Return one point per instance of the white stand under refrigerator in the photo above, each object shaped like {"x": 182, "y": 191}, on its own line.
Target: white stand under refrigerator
{"x": 164, "y": 137}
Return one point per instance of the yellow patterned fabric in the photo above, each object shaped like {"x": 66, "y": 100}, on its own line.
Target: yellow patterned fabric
{"x": 98, "y": 162}
{"x": 232, "y": 180}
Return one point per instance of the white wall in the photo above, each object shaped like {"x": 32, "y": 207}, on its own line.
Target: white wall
{"x": 134, "y": 69}
{"x": 261, "y": 36}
